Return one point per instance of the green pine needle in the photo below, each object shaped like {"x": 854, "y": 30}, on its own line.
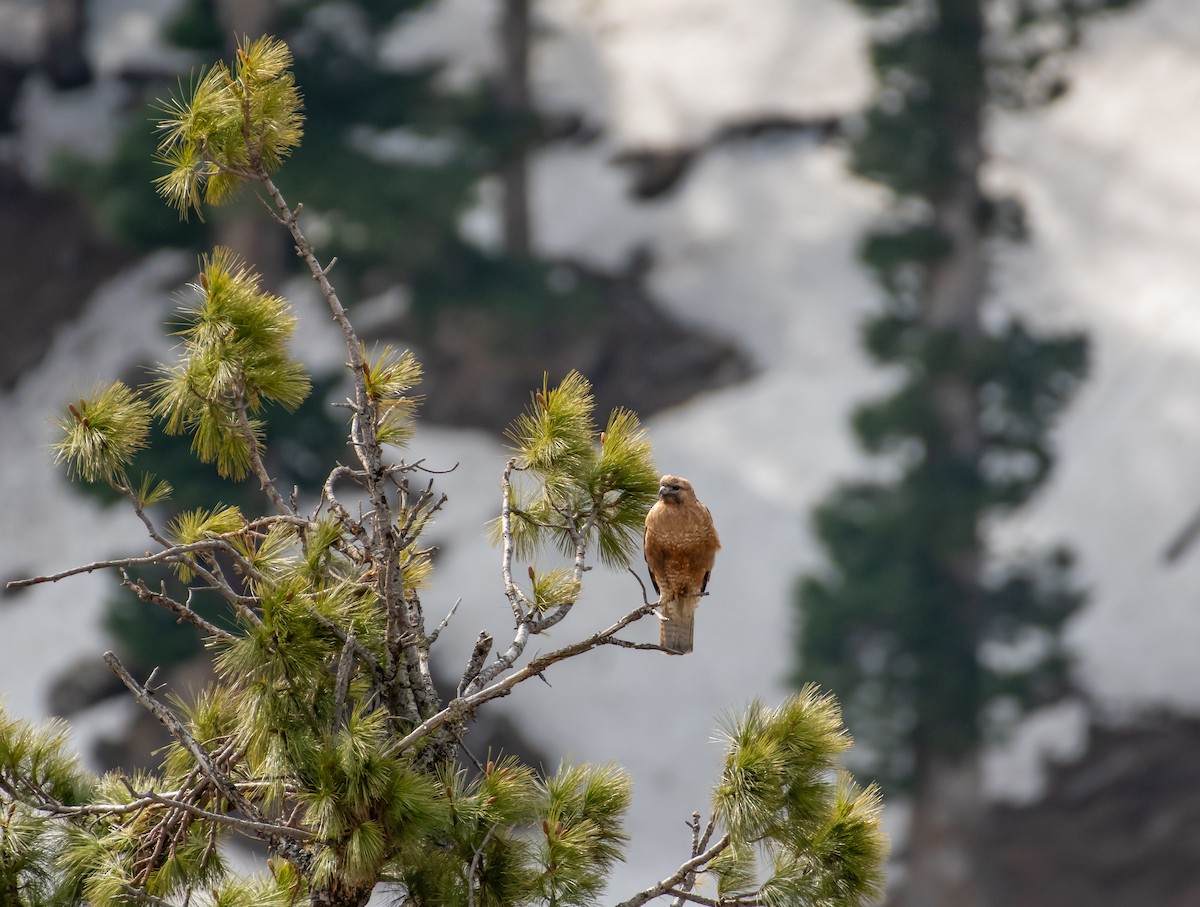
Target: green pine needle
{"x": 554, "y": 435}
{"x": 851, "y": 851}
{"x": 554, "y": 588}
{"x": 736, "y": 870}
{"x": 102, "y": 432}
{"x": 604, "y": 490}
{"x": 389, "y": 375}
{"x": 235, "y": 125}
{"x": 151, "y": 492}
{"x": 196, "y": 525}
{"x": 777, "y": 767}
{"x": 235, "y": 354}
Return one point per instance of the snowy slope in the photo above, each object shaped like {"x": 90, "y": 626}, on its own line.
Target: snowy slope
{"x": 759, "y": 243}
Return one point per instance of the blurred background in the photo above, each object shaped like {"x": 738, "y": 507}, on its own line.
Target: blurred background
{"x": 907, "y": 289}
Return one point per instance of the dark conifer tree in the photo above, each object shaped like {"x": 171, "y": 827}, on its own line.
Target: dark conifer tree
{"x": 899, "y": 621}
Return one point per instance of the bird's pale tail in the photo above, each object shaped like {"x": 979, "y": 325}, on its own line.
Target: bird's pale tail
{"x": 676, "y": 629}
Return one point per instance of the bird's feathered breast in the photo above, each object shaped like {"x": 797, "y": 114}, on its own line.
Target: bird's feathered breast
{"x": 681, "y": 545}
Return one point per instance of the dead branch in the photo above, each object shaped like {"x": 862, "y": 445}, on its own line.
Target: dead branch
{"x": 171, "y": 722}
{"x": 668, "y": 885}
{"x": 479, "y": 654}
{"x": 691, "y": 896}
{"x": 175, "y": 554}
{"x": 534, "y": 668}
{"x": 185, "y": 611}
{"x": 442, "y": 624}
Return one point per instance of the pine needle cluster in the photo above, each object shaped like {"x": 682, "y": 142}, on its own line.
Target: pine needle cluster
{"x": 785, "y": 802}
{"x": 234, "y": 359}
{"x": 234, "y": 121}
{"x": 389, "y": 377}
{"x": 593, "y": 486}
{"x": 102, "y": 432}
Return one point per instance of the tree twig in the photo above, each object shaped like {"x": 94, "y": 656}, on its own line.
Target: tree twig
{"x": 442, "y": 624}
{"x": 173, "y": 554}
{"x": 185, "y": 611}
{"x": 254, "y": 449}
{"x": 668, "y": 885}
{"x": 479, "y": 654}
{"x": 475, "y": 865}
{"x": 534, "y": 668}
{"x": 688, "y": 895}
{"x": 689, "y": 881}
{"x": 251, "y": 827}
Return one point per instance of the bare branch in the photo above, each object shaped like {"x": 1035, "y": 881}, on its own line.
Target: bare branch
{"x": 668, "y": 885}
{"x": 127, "y": 492}
{"x": 185, "y": 611}
{"x": 516, "y": 598}
{"x": 442, "y": 624}
{"x": 642, "y": 646}
{"x": 420, "y": 464}
{"x": 688, "y": 895}
{"x": 475, "y": 865}
{"x": 47, "y": 804}
{"x": 363, "y": 435}
{"x": 250, "y": 827}
{"x": 579, "y": 537}
{"x": 344, "y": 671}
{"x": 535, "y": 668}
{"x": 173, "y": 555}
{"x": 689, "y": 881}
{"x": 708, "y": 833}
{"x": 645, "y": 595}
{"x": 479, "y": 654}
{"x": 335, "y": 506}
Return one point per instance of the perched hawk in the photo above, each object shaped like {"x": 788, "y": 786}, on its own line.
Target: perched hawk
{"x": 681, "y": 544}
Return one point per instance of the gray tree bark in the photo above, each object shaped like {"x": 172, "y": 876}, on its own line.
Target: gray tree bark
{"x": 942, "y": 867}
{"x": 513, "y": 97}
{"x": 943, "y": 848}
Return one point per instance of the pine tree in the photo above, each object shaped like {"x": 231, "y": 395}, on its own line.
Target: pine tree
{"x": 323, "y": 736}
{"x": 901, "y": 620}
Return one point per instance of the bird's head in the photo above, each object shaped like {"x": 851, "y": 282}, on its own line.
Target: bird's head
{"x": 674, "y": 490}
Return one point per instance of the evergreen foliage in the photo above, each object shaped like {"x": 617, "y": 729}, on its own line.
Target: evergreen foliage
{"x": 234, "y": 351}
{"x": 322, "y": 734}
{"x": 101, "y": 434}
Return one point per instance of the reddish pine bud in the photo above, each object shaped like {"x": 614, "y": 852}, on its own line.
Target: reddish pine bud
{"x": 532, "y": 575}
